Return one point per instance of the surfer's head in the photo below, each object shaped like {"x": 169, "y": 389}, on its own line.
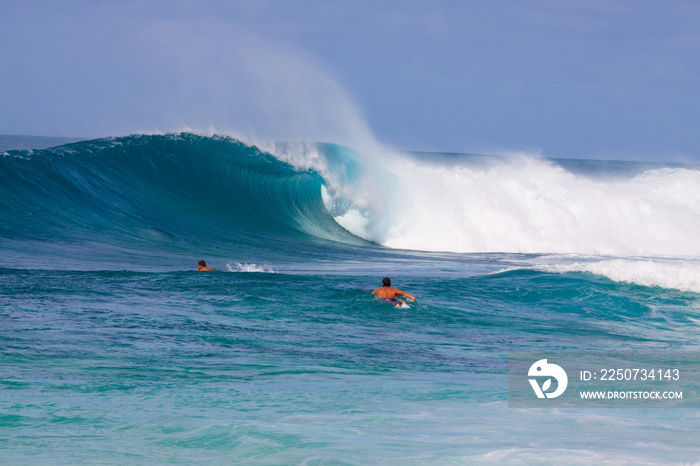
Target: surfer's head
{"x": 386, "y": 281}
{"x": 201, "y": 264}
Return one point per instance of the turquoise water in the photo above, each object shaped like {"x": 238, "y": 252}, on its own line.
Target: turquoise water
{"x": 115, "y": 350}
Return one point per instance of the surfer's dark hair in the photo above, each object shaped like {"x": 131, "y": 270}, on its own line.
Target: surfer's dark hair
{"x": 386, "y": 281}
{"x": 202, "y": 263}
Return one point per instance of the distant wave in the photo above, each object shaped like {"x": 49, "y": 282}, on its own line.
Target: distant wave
{"x": 668, "y": 273}
{"x": 677, "y": 274}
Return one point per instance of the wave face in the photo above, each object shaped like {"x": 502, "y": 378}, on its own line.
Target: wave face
{"x": 161, "y": 191}
{"x": 184, "y": 190}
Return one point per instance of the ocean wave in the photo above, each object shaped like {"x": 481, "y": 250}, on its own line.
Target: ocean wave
{"x": 683, "y": 275}
{"x": 161, "y": 189}
{"x": 174, "y": 189}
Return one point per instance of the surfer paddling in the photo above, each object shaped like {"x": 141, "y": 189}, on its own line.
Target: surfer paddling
{"x": 387, "y": 293}
{"x": 202, "y": 267}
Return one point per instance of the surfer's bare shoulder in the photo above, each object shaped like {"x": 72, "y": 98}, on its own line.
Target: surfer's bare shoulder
{"x": 202, "y": 267}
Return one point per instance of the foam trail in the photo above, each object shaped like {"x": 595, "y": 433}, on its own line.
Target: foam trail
{"x": 238, "y": 267}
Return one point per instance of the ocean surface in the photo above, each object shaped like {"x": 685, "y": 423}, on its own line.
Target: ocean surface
{"x": 114, "y": 349}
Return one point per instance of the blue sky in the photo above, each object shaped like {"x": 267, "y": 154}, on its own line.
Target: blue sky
{"x": 585, "y": 79}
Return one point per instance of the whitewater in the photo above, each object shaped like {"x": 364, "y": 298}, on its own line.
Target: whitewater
{"x": 115, "y": 350}
{"x": 579, "y": 212}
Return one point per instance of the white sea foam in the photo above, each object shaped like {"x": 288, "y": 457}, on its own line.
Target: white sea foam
{"x": 530, "y": 205}
{"x": 238, "y": 267}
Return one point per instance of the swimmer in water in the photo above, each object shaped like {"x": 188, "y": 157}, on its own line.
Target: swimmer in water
{"x": 387, "y": 293}
{"x": 202, "y": 267}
